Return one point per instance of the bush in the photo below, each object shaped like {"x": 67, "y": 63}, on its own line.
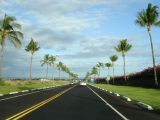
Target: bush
{"x": 144, "y": 78}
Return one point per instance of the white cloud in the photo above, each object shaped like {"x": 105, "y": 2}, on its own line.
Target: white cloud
{"x": 63, "y": 27}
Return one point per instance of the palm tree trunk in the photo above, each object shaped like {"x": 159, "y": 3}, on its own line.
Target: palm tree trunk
{"x": 113, "y": 72}
{"x": 31, "y": 67}
{"x": 1, "y": 62}
{"x": 69, "y": 77}
{"x": 124, "y": 66}
{"x": 99, "y": 72}
{"x": 108, "y": 71}
{"x": 59, "y": 74}
{"x": 53, "y": 75}
{"x": 47, "y": 72}
{"x": 108, "y": 76}
{"x": 153, "y": 58}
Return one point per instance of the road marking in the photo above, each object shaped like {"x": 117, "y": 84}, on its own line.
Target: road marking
{"x": 24, "y": 94}
{"x": 120, "y": 114}
{"x": 18, "y": 96}
{"x": 38, "y": 105}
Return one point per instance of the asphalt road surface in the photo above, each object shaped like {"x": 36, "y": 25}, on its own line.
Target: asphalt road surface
{"x": 70, "y": 102}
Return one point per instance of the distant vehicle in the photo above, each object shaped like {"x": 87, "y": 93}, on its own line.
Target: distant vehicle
{"x": 92, "y": 80}
{"x": 44, "y": 79}
{"x": 83, "y": 84}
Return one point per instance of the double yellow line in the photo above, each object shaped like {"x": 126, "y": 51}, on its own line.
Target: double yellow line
{"x": 30, "y": 109}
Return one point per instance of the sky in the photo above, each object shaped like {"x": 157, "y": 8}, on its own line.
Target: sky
{"x": 80, "y": 33}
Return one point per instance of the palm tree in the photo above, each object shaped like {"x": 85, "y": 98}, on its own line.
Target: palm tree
{"x": 65, "y": 69}
{"x": 45, "y": 61}
{"x": 99, "y": 65}
{"x": 32, "y": 47}
{"x": 52, "y": 60}
{"x": 87, "y": 75}
{"x": 73, "y": 75}
{"x": 113, "y": 58}
{"x": 9, "y": 30}
{"x": 123, "y": 47}
{"x": 94, "y": 72}
{"x": 108, "y": 65}
{"x": 148, "y": 18}
{"x": 59, "y": 66}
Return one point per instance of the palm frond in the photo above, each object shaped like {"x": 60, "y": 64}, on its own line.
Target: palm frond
{"x": 141, "y": 19}
{"x": 113, "y": 58}
{"x": 7, "y": 31}
{"x": 117, "y": 48}
{"x": 42, "y": 64}
{"x": 16, "y": 25}
{"x": 32, "y": 46}
{"x": 6, "y": 23}
{"x": 148, "y": 17}
{"x": 123, "y": 46}
{"x": 16, "y": 42}
{"x": 108, "y": 65}
{"x": 16, "y": 34}
{"x": 157, "y": 23}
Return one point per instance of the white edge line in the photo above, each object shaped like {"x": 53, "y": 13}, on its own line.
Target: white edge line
{"x": 24, "y": 94}
{"x": 109, "y": 104}
{"x": 17, "y": 96}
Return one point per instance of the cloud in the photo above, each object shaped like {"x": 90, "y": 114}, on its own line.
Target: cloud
{"x": 73, "y": 29}
{"x": 95, "y": 47}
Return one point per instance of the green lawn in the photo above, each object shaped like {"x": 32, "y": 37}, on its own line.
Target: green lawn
{"x": 148, "y": 96}
{"x": 8, "y": 86}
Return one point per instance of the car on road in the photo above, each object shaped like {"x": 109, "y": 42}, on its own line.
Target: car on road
{"x": 83, "y": 83}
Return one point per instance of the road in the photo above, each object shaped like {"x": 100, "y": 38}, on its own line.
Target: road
{"x": 70, "y": 102}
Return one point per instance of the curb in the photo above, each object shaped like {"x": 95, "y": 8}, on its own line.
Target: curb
{"x": 117, "y": 94}
{"x": 24, "y": 90}
{"x": 140, "y": 104}
{"x": 126, "y": 98}
{"x": 33, "y": 89}
{"x": 145, "y": 106}
{"x": 11, "y": 93}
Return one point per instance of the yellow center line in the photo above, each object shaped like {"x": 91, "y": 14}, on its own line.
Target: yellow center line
{"x": 40, "y": 104}
{"x": 29, "y": 108}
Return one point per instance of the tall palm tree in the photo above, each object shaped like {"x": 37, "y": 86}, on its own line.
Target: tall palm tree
{"x": 148, "y": 18}
{"x": 87, "y": 75}
{"x": 65, "y": 70}
{"x": 9, "y": 30}
{"x": 108, "y": 65}
{"x": 99, "y": 65}
{"x": 59, "y": 66}
{"x": 32, "y": 47}
{"x": 94, "y": 72}
{"x": 113, "y": 59}
{"x": 123, "y": 47}
{"x": 74, "y": 76}
{"x": 46, "y": 62}
{"x": 52, "y": 63}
